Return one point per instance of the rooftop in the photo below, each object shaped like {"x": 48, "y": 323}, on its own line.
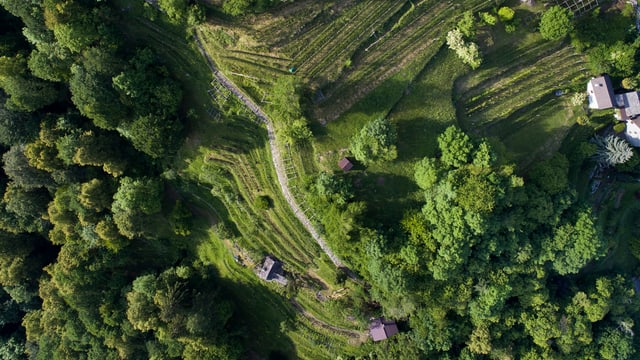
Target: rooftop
{"x": 381, "y": 329}
{"x": 628, "y": 105}
{"x": 600, "y": 91}
{"x": 272, "y": 270}
{"x": 345, "y": 164}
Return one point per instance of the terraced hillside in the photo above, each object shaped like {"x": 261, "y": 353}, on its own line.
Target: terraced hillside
{"x": 340, "y": 49}
{"x": 517, "y": 97}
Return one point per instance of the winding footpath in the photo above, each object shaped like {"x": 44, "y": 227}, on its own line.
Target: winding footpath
{"x": 275, "y": 154}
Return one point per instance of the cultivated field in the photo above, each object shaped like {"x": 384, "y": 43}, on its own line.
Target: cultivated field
{"x": 512, "y": 97}
{"x": 341, "y": 50}
{"x": 223, "y": 166}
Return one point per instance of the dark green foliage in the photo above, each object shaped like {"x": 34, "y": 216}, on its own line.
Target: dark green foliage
{"x": 181, "y": 219}
{"x": 556, "y": 23}
{"x": 12, "y": 348}
{"x": 262, "y": 202}
{"x": 62, "y": 165}
{"x": 26, "y": 92}
{"x": 93, "y": 96}
{"x": 21, "y": 172}
{"x": 376, "y": 142}
{"x": 155, "y": 135}
{"x": 17, "y": 127}
{"x": 334, "y": 188}
{"x": 551, "y": 175}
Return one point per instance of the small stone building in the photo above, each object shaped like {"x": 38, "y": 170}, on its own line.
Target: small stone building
{"x": 382, "y": 329}
{"x": 345, "y": 164}
{"x": 271, "y": 270}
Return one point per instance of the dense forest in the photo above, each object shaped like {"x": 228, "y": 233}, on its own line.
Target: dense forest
{"x": 96, "y": 259}
{"x": 93, "y": 261}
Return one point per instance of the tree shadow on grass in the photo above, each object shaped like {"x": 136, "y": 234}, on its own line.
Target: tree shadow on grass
{"x": 387, "y": 195}
{"x": 418, "y": 138}
{"x": 259, "y": 313}
{"x": 258, "y": 310}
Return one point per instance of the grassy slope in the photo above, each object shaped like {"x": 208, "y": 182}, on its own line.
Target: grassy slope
{"x": 239, "y": 148}
{"x": 511, "y": 98}
{"x": 423, "y": 110}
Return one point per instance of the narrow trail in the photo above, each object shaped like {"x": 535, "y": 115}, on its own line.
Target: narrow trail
{"x": 275, "y": 155}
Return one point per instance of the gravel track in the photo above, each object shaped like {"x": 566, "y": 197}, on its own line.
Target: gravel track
{"x": 275, "y": 155}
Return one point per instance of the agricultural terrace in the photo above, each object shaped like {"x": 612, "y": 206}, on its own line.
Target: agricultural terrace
{"x": 511, "y": 97}
{"x": 223, "y": 166}
{"x": 341, "y": 50}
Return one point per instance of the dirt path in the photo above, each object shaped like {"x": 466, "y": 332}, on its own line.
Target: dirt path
{"x": 275, "y": 154}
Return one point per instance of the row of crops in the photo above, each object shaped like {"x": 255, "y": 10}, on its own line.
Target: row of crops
{"x": 488, "y": 97}
{"x": 237, "y": 173}
{"x": 412, "y": 39}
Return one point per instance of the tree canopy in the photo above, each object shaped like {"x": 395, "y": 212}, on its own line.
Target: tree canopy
{"x": 556, "y": 23}
{"x": 376, "y": 142}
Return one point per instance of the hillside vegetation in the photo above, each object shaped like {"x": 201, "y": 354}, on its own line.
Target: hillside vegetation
{"x": 140, "y": 195}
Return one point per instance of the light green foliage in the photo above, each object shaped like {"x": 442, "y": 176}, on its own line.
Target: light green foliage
{"x": 480, "y": 340}
{"x": 505, "y": 14}
{"x": 617, "y": 59}
{"x": 376, "y": 142}
{"x": 455, "y": 146}
{"x": 176, "y": 10}
{"x": 574, "y": 245}
{"x": 556, "y": 22}
{"x": 488, "y": 18}
{"x": 469, "y": 53}
{"x": 427, "y": 172}
{"x": 467, "y": 24}
{"x": 630, "y": 83}
{"x": 96, "y": 194}
{"x": 236, "y": 7}
{"x": 542, "y": 324}
{"x": 287, "y": 112}
{"x": 133, "y": 202}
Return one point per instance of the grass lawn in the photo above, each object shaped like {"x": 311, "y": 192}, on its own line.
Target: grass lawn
{"x": 420, "y": 109}
{"x": 224, "y": 164}
{"x": 511, "y": 96}
{"x": 618, "y": 217}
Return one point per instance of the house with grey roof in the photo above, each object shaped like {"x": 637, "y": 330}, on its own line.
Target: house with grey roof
{"x": 626, "y": 106}
{"x": 600, "y": 93}
{"x": 382, "y": 329}
{"x": 271, "y": 270}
